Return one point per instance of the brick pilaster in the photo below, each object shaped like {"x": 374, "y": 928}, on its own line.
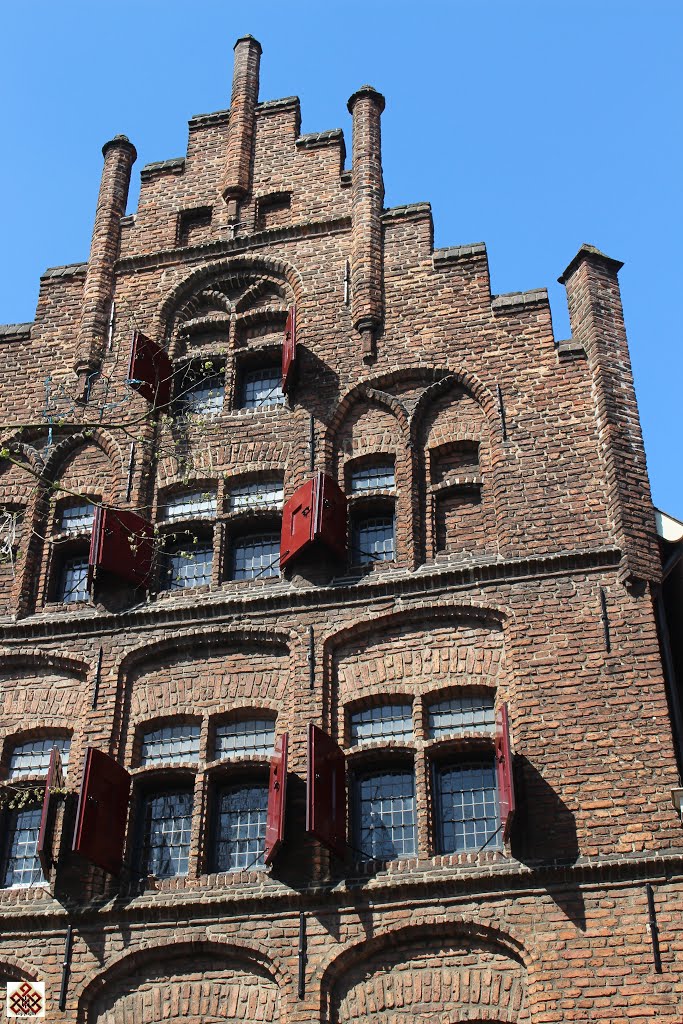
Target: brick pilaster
{"x": 245, "y": 84}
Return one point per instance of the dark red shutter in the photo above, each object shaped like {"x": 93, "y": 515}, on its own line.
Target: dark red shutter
{"x": 122, "y": 543}
{"x": 150, "y": 371}
{"x": 102, "y": 811}
{"x": 330, "y": 524}
{"x": 298, "y": 519}
{"x": 277, "y": 795}
{"x": 326, "y": 791}
{"x": 289, "y": 351}
{"x": 55, "y": 780}
{"x": 506, "y": 786}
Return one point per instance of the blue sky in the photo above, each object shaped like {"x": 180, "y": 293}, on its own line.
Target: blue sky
{"x": 532, "y": 126}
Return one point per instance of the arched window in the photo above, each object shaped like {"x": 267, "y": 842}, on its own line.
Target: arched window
{"x": 187, "y": 530}
{"x": 371, "y": 488}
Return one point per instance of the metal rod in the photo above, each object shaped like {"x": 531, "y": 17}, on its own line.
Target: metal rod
{"x": 110, "y": 326}
{"x": 302, "y": 955}
{"x": 131, "y": 464}
{"x": 66, "y": 965}
{"x": 96, "y": 683}
{"x": 347, "y": 283}
{"x": 605, "y": 620}
{"x": 501, "y": 411}
{"x": 311, "y": 657}
{"x": 653, "y": 928}
{"x": 311, "y": 445}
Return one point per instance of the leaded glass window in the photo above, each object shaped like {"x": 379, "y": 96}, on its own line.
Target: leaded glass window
{"x": 21, "y": 863}
{"x": 256, "y": 556}
{"x": 262, "y": 388}
{"x": 241, "y": 827}
{"x": 77, "y": 518}
{"x": 379, "y": 476}
{"x": 178, "y": 742}
{"x": 385, "y": 722}
{"x": 201, "y": 396}
{"x": 373, "y": 540}
{"x": 461, "y": 713}
{"x": 245, "y": 737}
{"x": 385, "y": 815}
{"x": 33, "y": 757}
{"x": 72, "y": 584}
{"x": 167, "y": 823}
{"x": 189, "y": 506}
{"x": 467, "y": 802}
{"x": 257, "y": 494}
{"x": 187, "y": 565}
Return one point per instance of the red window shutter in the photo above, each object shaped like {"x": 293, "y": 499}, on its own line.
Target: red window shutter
{"x": 330, "y": 524}
{"x": 298, "y": 519}
{"x": 150, "y": 371}
{"x": 506, "y": 786}
{"x": 122, "y": 543}
{"x": 326, "y": 791}
{"x": 289, "y": 352}
{"x": 102, "y": 811}
{"x": 277, "y": 795}
{"x": 55, "y": 780}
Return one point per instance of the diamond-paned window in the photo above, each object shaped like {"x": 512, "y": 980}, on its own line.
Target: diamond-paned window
{"x": 257, "y": 494}
{"x": 385, "y": 722}
{"x": 385, "y": 815}
{"x": 245, "y": 737}
{"x": 378, "y": 476}
{"x": 187, "y": 565}
{"x": 262, "y": 388}
{"x": 33, "y": 757}
{"x": 167, "y": 823}
{"x": 177, "y": 743}
{"x": 72, "y": 584}
{"x": 467, "y": 802}
{"x": 256, "y": 556}
{"x": 21, "y": 865}
{"x": 461, "y": 713}
{"x": 240, "y": 827}
{"x": 191, "y": 505}
{"x": 373, "y": 540}
{"x": 77, "y": 518}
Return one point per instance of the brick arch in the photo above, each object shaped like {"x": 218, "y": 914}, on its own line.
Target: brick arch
{"x": 119, "y": 979}
{"x": 12, "y": 968}
{"x": 98, "y": 437}
{"x": 463, "y": 992}
{"x": 465, "y": 380}
{"x": 363, "y": 393}
{"x": 199, "y": 279}
{"x": 55, "y": 698}
{"x": 26, "y": 657}
{"x": 24, "y": 451}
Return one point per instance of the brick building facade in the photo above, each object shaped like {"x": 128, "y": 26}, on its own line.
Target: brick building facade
{"x": 444, "y": 721}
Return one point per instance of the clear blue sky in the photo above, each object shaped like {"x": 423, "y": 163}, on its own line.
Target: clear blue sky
{"x": 532, "y": 126}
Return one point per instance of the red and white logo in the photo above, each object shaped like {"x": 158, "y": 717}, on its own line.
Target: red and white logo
{"x": 26, "y": 999}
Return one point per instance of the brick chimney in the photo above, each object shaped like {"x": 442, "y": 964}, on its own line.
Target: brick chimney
{"x": 367, "y": 200}
{"x": 597, "y": 322}
{"x": 119, "y": 157}
{"x": 245, "y": 82}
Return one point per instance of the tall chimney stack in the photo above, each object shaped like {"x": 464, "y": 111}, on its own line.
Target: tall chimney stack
{"x": 245, "y": 83}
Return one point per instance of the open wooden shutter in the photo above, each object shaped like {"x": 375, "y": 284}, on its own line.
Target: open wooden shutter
{"x": 55, "y": 780}
{"x": 277, "y": 796}
{"x": 330, "y": 524}
{"x": 326, "y": 791}
{"x": 150, "y": 371}
{"x": 315, "y": 512}
{"x": 102, "y": 812}
{"x": 504, "y": 776}
{"x": 289, "y": 352}
{"x": 298, "y": 519}
{"x": 122, "y": 543}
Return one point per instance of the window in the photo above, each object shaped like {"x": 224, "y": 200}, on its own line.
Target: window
{"x": 385, "y": 815}
{"x": 245, "y": 737}
{"x": 378, "y": 476}
{"x": 387, "y": 721}
{"x": 261, "y": 388}
{"x": 77, "y": 518}
{"x": 256, "y": 495}
{"x": 240, "y": 829}
{"x": 72, "y": 580}
{"x": 467, "y": 711}
{"x": 188, "y": 506}
{"x": 467, "y": 806}
{"x": 21, "y": 864}
{"x": 255, "y": 556}
{"x": 33, "y": 756}
{"x": 372, "y": 540}
{"x": 166, "y": 829}
{"x": 187, "y": 563}
{"x": 199, "y": 388}
{"x": 171, "y": 743}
